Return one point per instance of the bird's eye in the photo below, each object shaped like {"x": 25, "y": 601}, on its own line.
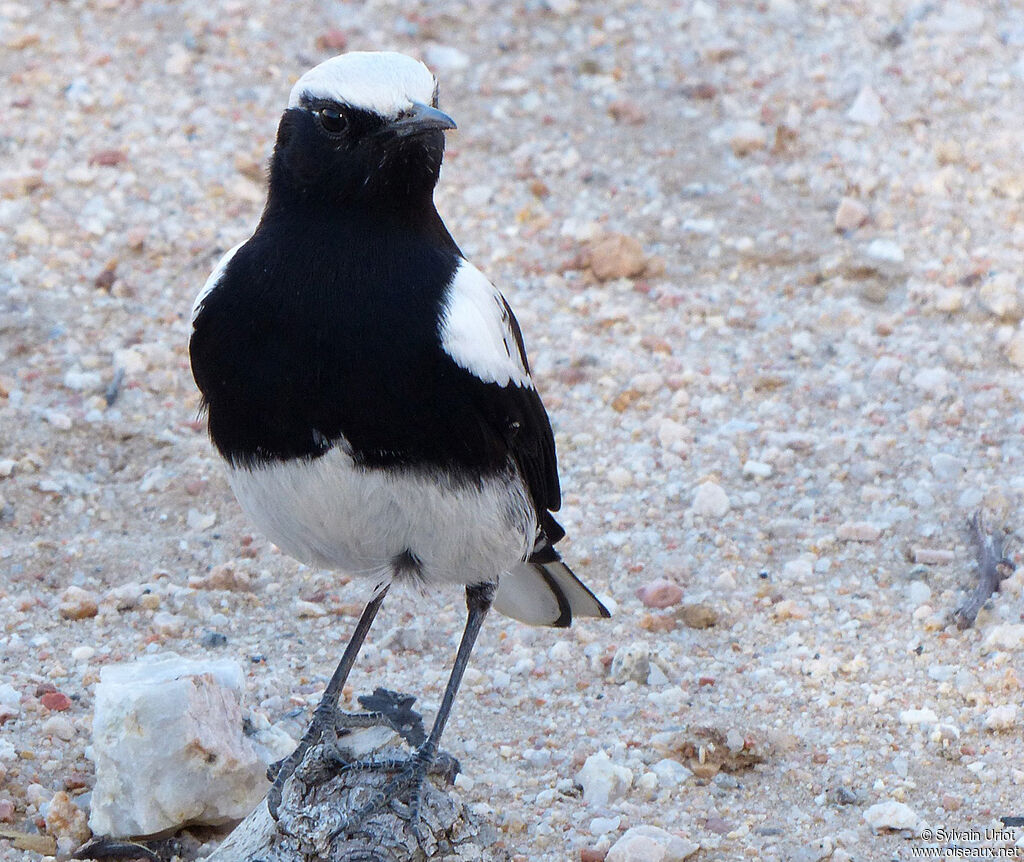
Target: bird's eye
{"x": 331, "y": 120}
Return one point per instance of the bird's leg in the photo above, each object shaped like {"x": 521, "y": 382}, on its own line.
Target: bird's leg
{"x": 326, "y": 713}
{"x": 413, "y": 770}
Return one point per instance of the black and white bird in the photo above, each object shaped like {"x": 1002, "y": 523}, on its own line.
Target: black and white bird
{"x": 368, "y": 386}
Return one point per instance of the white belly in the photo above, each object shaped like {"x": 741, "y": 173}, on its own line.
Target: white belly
{"x": 330, "y": 513}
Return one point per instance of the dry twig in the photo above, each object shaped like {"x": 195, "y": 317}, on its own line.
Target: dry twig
{"x": 993, "y": 567}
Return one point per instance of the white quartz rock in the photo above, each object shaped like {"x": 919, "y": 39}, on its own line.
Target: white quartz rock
{"x": 602, "y": 780}
{"x": 169, "y": 747}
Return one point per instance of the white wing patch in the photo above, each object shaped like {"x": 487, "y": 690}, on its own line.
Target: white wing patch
{"x": 215, "y": 277}
{"x": 384, "y": 82}
{"x": 476, "y": 330}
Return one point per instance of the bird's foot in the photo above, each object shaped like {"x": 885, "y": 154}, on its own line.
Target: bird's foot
{"x": 404, "y": 792}
{"x": 326, "y": 723}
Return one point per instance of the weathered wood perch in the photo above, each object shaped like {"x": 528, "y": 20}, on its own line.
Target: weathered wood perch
{"x": 318, "y": 797}
{"x": 993, "y": 567}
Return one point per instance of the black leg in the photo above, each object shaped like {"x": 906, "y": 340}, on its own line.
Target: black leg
{"x": 478, "y": 603}
{"x": 325, "y": 712}
{"x": 413, "y": 771}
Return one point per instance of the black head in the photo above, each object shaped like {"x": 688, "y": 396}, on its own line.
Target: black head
{"x": 361, "y": 129}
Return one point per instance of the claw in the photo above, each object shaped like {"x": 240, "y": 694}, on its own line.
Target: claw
{"x": 410, "y": 773}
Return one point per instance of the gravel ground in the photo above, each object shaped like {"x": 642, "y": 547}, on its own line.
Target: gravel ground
{"x": 788, "y": 421}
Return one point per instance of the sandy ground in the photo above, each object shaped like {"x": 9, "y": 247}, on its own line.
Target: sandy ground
{"x": 790, "y": 422}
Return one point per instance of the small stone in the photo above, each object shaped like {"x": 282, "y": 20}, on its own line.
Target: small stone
{"x": 6, "y": 811}
{"x": 671, "y": 773}
{"x": 1006, "y": 636}
{"x": 746, "y": 137}
{"x": 332, "y": 40}
{"x": 166, "y": 624}
{"x": 918, "y": 592}
{"x": 224, "y": 576}
{"x": 603, "y": 781}
{"x": 1003, "y": 717}
{"x": 1014, "y": 349}
{"x": 934, "y": 381}
{"x": 212, "y": 640}
{"x": 627, "y": 111}
{"x": 924, "y": 717}
{"x": 867, "y": 107}
{"x": 892, "y": 815}
{"x": 651, "y": 844}
{"x": 858, "y": 531}
{"x": 710, "y": 500}
{"x": 200, "y": 520}
{"x": 620, "y": 477}
{"x": 616, "y": 256}
{"x": 660, "y": 594}
{"x": 718, "y": 825}
{"x": 77, "y": 603}
{"x": 950, "y": 802}
{"x": 65, "y": 819}
{"x": 1000, "y": 296}
{"x": 445, "y": 58}
{"x": 933, "y": 556}
{"x": 306, "y": 610}
{"x": 699, "y": 615}
{"x": 55, "y": 701}
{"x": 757, "y": 470}
{"x": 631, "y": 662}
{"x": 850, "y": 214}
{"x": 59, "y": 726}
{"x": 603, "y": 825}
{"x": 886, "y": 250}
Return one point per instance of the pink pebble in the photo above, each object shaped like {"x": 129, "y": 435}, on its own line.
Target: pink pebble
{"x": 660, "y": 594}
{"x": 6, "y": 811}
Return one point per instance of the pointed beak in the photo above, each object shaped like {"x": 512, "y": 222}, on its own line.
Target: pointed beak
{"x": 420, "y": 118}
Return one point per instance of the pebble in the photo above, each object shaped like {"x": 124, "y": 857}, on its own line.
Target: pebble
{"x": 892, "y": 815}
{"x": 710, "y": 501}
{"x": 757, "y": 470}
{"x": 307, "y": 610}
{"x": 196, "y": 520}
{"x": 65, "y": 819}
{"x": 55, "y": 701}
{"x": 446, "y": 58}
{"x": 603, "y": 825}
{"x": 698, "y": 615}
{"x": 1003, "y": 717}
{"x": 78, "y": 604}
{"x": 660, "y": 593}
{"x": 933, "y": 381}
{"x": 603, "y": 781}
{"x": 924, "y": 717}
{"x": 746, "y": 137}
{"x": 651, "y": 844}
{"x": 918, "y": 592}
{"x": 850, "y": 214}
{"x": 885, "y": 250}
{"x": 616, "y": 255}
{"x": 867, "y": 107}
{"x": 858, "y": 531}
{"x": 933, "y": 556}
{"x": 671, "y": 773}
{"x": 59, "y": 726}
{"x": 631, "y": 662}
{"x": 6, "y": 811}
{"x": 1005, "y": 636}
{"x": 224, "y": 576}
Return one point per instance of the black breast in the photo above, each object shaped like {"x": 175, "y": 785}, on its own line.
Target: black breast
{"x": 320, "y": 333}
